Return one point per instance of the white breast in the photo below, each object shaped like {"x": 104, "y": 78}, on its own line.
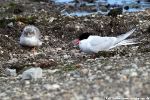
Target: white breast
{"x": 30, "y": 41}
{"x": 85, "y": 46}
{"x": 94, "y": 44}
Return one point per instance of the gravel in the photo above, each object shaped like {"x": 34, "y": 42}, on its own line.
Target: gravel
{"x": 67, "y": 73}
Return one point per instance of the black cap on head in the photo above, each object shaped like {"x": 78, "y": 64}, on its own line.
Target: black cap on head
{"x": 84, "y": 36}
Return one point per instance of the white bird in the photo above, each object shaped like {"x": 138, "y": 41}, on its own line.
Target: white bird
{"x": 30, "y": 36}
{"x": 93, "y": 44}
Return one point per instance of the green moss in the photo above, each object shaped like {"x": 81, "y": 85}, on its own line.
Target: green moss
{"x": 15, "y": 8}
{"x": 4, "y": 22}
{"x": 12, "y": 4}
{"x": 68, "y": 68}
{"x": 27, "y": 20}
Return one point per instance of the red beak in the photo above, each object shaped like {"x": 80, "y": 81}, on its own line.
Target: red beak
{"x": 76, "y": 42}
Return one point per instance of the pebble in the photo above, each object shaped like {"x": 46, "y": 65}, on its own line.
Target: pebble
{"x": 133, "y": 74}
{"x": 32, "y": 73}
{"x": 58, "y": 49}
{"x": 67, "y": 56}
{"x": 3, "y": 94}
{"x": 53, "y": 71}
{"x": 13, "y": 60}
{"x": 51, "y": 19}
{"x": 108, "y": 67}
{"x": 10, "y": 24}
{"x": 85, "y": 71}
{"x": 96, "y": 98}
{"x": 51, "y": 87}
{"x": 11, "y": 72}
{"x": 27, "y": 82}
{"x": 134, "y": 66}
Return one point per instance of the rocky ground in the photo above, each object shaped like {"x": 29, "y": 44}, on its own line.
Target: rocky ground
{"x": 67, "y": 73}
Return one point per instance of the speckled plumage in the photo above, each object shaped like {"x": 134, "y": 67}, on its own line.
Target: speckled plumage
{"x": 30, "y": 36}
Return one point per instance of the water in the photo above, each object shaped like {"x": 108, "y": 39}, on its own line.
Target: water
{"x": 63, "y": 1}
{"x": 78, "y": 13}
{"x": 139, "y": 7}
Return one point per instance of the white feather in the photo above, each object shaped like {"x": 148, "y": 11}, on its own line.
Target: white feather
{"x": 31, "y": 40}
{"x": 95, "y": 44}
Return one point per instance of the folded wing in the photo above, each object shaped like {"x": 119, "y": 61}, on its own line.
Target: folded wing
{"x": 97, "y": 43}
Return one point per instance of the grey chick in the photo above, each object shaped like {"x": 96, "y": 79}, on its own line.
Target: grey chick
{"x": 30, "y": 36}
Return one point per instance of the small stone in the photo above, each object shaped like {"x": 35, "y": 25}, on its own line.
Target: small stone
{"x": 13, "y": 60}
{"x": 10, "y": 24}
{"x": 11, "y": 72}
{"x": 46, "y": 38}
{"x": 134, "y": 66}
{"x": 120, "y": 15}
{"x": 58, "y": 49}
{"x": 108, "y": 67}
{"x": 53, "y": 71}
{"x": 32, "y": 73}
{"x": 51, "y": 19}
{"x": 85, "y": 71}
{"x": 51, "y": 87}
{"x": 66, "y": 56}
{"x": 27, "y": 82}
{"x": 96, "y": 98}
{"x": 3, "y": 94}
{"x": 2, "y": 52}
{"x": 78, "y": 65}
{"x": 133, "y": 74}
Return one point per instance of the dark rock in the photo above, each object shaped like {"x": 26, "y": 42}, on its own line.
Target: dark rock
{"x": 114, "y": 12}
{"x": 126, "y": 7}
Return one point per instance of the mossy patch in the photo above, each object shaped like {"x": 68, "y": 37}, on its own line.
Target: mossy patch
{"x": 68, "y": 68}
{"x": 4, "y": 22}
{"x": 15, "y": 8}
{"x": 27, "y": 20}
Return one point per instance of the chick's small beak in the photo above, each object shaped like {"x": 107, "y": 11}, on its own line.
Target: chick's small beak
{"x": 76, "y": 42}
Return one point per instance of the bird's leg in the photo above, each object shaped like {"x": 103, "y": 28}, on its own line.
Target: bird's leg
{"x": 33, "y": 50}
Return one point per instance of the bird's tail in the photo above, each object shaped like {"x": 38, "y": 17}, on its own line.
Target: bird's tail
{"x": 122, "y": 37}
{"x": 126, "y": 42}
